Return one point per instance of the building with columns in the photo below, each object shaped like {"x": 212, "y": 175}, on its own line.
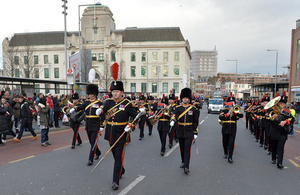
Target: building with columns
{"x": 151, "y": 60}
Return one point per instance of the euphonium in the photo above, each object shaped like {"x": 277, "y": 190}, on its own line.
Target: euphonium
{"x": 276, "y": 109}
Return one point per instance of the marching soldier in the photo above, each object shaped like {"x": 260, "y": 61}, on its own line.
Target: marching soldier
{"x": 163, "y": 124}
{"x": 186, "y": 115}
{"x": 173, "y": 130}
{"x": 76, "y": 124}
{"x": 92, "y": 123}
{"x": 246, "y": 109}
{"x": 229, "y": 118}
{"x": 263, "y": 121}
{"x": 151, "y": 110}
{"x": 117, "y": 110}
{"x": 280, "y": 124}
{"x": 143, "y": 119}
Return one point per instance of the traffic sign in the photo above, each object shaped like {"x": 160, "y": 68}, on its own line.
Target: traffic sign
{"x": 70, "y": 71}
{"x": 74, "y": 66}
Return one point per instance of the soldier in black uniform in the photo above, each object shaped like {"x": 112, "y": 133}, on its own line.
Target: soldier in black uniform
{"x": 92, "y": 123}
{"x": 117, "y": 110}
{"x": 143, "y": 119}
{"x": 247, "y": 113}
{"x": 151, "y": 110}
{"x": 173, "y": 130}
{"x": 163, "y": 126}
{"x": 229, "y": 127}
{"x": 186, "y": 115}
{"x": 76, "y": 124}
{"x": 280, "y": 124}
{"x": 263, "y": 121}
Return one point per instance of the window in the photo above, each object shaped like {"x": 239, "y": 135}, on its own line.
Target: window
{"x": 132, "y": 87}
{"x": 176, "y": 87}
{"x": 26, "y": 73}
{"x": 166, "y": 56}
{"x": 36, "y": 73}
{"x": 133, "y": 71}
{"x": 17, "y": 73}
{"x": 95, "y": 30}
{"x": 46, "y": 59}
{"x": 26, "y": 60}
{"x": 16, "y": 60}
{"x": 176, "y": 56}
{"x": 97, "y": 77}
{"x": 297, "y": 68}
{"x": 154, "y": 71}
{"x": 37, "y": 88}
{"x": 176, "y": 70}
{"x": 298, "y": 44}
{"x": 46, "y": 73}
{"x": 133, "y": 56}
{"x": 165, "y": 87}
{"x": 94, "y": 57}
{"x": 101, "y": 57}
{"x": 154, "y": 87}
{"x": 154, "y": 56}
{"x": 143, "y": 87}
{"x": 56, "y": 72}
{"x": 73, "y": 52}
{"x": 165, "y": 71}
{"x": 143, "y": 56}
{"x": 36, "y": 59}
{"x": 57, "y": 89}
{"x": 144, "y": 71}
{"x": 55, "y": 59}
{"x": 113, "y": 56}
{"x": 47, "y": 86}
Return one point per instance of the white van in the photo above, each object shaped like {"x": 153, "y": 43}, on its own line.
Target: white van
{"x": 215, "y": 105}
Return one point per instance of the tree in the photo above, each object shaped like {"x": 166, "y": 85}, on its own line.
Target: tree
{"x": 10, "y": 54}
{"x": 27, "y": 63}
{"x": 105, "y": 75}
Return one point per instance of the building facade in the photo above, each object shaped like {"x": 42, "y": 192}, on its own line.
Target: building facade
{"x": 151, "y": 60}
{"x": 204, "y": 63}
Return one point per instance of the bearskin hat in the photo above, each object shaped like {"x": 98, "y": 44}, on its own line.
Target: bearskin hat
{"x": 75, "y": 96}
{"x": 116, "y": 85}
{"x": 165, "y": 100}
{"x": 283, "y": 98}
{"x": 92, "y": 89}
{"x": 186, "y": 92}
{"x": 172, "y": 97}
{"x": 150, "y": 97}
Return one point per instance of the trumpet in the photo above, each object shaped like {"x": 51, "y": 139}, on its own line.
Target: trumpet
{"x": 220, "y": 122}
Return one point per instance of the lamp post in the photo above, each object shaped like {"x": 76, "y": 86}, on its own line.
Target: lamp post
{"x": 275, "y": 88}
{"x": 147, "y": 69}
{"x": 65, "y": 25}
{"x": 236, "y": 64}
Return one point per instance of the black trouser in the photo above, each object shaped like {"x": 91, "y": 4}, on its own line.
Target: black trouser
{"x": 278, "y": 149}
{"x": 251, "y": 125}
{"x": 247, "y": 121}
{"x": 93, "y": 135}
{"x": 26, "y": 123}
{"x": 185, "y": 145}
{"x": 150, "y": 126}
{"x": 76, "y": 135}
{"x": 228, "y": 143}
{"x": 56, "y": 114}
{"x": 10, "y": 130}
{"x": 142, "y": 126}
{"x": 262, "y": 135}
{"x": 172, "y": 134}
{"x": 163, "y": 140}
{"x": 118, "y": 153}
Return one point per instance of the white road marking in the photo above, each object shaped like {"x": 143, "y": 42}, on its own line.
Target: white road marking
{"x": 201, "y": 122}
{"x": 130, "y": 186}
{"x": 172, "y": 149}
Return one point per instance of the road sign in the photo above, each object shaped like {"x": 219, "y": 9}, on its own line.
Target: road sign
{"x": 74, "y": 66}
{"x": 70, "y": 71}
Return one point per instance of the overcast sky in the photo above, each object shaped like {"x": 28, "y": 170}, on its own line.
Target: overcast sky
{"x": 240, "y": 29}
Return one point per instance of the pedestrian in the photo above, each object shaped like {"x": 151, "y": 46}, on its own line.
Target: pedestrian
{"x": 163, "y": 125}
{"x": 25, "y": 120}
{"x": 297, "y": 109}
{"x": 278, "y": 133}
{"x": 44, "y": 121}
{"x": 187, "y": 117}
{"x": 57, "y": 110}
{"x": 75, "y": 123}
{"x": 8, "y": 117}
{"x": 3, "y": 121}
{"x": 117, "y": 110}
{"x": 229, "y": 119}
{"x": 92, "y": 123}
{"x": 293, "y": 113}
{"x": 16, "y": 113}
{"x": 51, "y": 107}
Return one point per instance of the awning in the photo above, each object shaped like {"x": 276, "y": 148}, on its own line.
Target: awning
{"x": 295, "y": 89}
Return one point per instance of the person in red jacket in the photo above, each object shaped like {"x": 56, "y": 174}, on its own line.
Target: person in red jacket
{"x": 51, "y": 106}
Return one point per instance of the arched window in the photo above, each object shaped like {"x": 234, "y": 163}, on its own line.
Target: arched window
{"x": 97, "y": 76}
{"x": 113, "y": 56}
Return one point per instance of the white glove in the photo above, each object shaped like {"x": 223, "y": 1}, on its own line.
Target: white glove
{"x": 127, "y": 128}
{"x": 72, "y": 110}
{"x": 101, "y": 129}
{"x": 142, "y": 109}
{"x": 195, "y": 136}
{"x": 98, "y": 111}
{"x": 172, "y": 123}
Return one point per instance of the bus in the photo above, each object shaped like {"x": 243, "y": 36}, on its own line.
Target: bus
{"x": 218, "y": 94}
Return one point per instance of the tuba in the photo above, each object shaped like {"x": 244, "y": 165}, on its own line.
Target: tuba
{"x": 276, "y": 109}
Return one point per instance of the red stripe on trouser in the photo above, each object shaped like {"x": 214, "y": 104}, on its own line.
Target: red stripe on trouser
{"x": 95, "y": 149}
{"x": 122, "y": 158}
{"x": 76, "y": 135}
{"x": 190, "y": 152}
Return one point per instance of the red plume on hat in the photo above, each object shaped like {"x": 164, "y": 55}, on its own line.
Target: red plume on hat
{"x": 283, "y": 93}
{"x": 170, "y": 91}
{"x": 125, "y": 95}
{"x": 115, "y": 71}
{"x": 162, "y": 99}
{"x": 267, "y": 94}
{"x": 230, "y": 94}
{"x": 276, "y": 94}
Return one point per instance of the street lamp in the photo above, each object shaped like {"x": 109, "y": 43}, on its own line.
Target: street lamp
{"x": 147, "y": 69}
{"x": 65, "y": 24}
{"x": 236, "y": 64}
{"x": 276, "y": 69}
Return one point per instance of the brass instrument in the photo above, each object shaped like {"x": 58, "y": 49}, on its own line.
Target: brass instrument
{"x": 276, "y": 109}
{"x": 165, "y": 111}
{"x": 220, "y": 122}
{"x": 236, "y": 109}
{"x": 67, "y": 107}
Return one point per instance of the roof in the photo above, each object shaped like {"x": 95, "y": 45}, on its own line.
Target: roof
{"x": 150, "y": 34}
{"x": 39, "y": 38}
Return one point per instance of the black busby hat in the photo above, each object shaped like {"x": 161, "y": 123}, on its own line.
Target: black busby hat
{"x": 266, "y": 98}
{"x": 117, "y": 85}
{"x": 150, "y": 97}
{"x": 142, "y": 97}
{"x": 172, "y": 97}
{"x": 283, "y": 98}
{"x": 92, "y": 89}
{"x": 75, "y": 96}
{"x": 165, "y": 99}
{"x": 231, "y": 98}
{"x": 186, "y": 92}
{"x": 249, "y": 101}
{"x": 133, "y": 97}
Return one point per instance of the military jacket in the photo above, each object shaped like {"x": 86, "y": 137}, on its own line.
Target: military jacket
{"x": 164, "y": 120}
{"x": 93, "y": 121}
{"x": 150, "y": 108}
{"x": 188, "y": 123}
{"x": 117, "y": 115}
{"x": 229, "y": 122}
{"x": 278, "y": 132}
{"x": 79, "y": 113}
